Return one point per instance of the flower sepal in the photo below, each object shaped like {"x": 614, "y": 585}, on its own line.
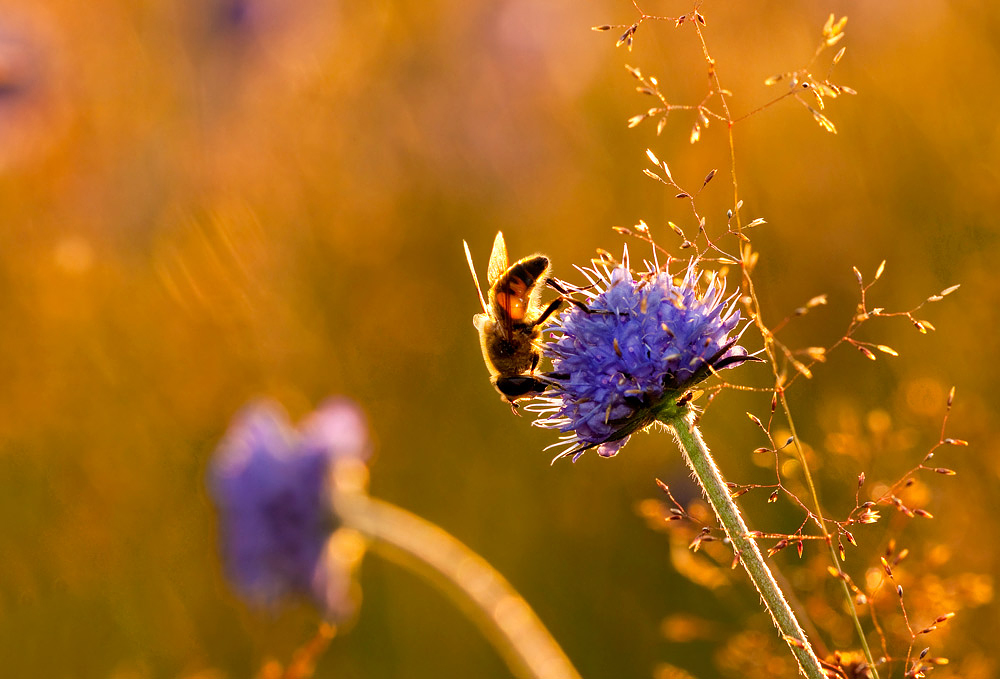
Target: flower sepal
{"x": 674, "y": 406}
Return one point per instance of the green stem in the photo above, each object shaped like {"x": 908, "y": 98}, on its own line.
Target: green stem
{"x": 699, "y": 459}
{"x": 501, "y": 612}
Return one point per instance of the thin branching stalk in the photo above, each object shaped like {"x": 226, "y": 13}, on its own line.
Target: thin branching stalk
{"x": 504, "y": 616}
{"x": 769, "y": 349}
{"x": 699, "y": 459}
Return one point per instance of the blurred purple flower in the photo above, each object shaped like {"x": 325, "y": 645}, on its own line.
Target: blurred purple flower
{"x": 271, "y": 484}
{"x": 249, "y": 28}
{"x": 34, "y": 109}
{"x": 235, "y": 17}
{"x": 21, "y": 65}
{"x": 614, "y": 372}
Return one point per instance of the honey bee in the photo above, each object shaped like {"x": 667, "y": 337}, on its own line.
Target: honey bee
{"x": 511, "y": 323}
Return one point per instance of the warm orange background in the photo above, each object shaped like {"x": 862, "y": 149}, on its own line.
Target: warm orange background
{"x": 197, "y": 209}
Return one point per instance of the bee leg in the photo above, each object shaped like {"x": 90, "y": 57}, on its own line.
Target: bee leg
{"x": 587, "y": 310}
{"x": 597, "y": 312}
{"x": 549, "y": 310}
{"x": 561, "y": 288}
{"x": 557, "y": 285}
{"x": 565, "y": 289}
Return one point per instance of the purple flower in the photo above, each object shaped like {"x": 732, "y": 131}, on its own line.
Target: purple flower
{"x": 644, "y": 342}
{"x": 33, "y": 107}
{"x": 271, "y": 484}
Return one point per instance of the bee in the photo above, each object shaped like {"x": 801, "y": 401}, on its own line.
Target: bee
{"x": 512, "y": 319}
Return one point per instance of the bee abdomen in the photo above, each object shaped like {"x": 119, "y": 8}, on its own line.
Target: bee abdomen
{"x": 523, "y": 274}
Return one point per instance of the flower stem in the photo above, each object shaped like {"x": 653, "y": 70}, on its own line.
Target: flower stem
{"x": 699, "y": 459}
{"x": 503, "y": 615}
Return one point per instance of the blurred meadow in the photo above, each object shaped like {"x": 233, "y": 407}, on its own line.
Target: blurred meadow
{"x": 203, "y": 202}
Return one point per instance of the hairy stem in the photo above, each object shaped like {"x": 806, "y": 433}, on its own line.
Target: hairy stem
{"x": 502, "y": 614}
{"x": 699, "y": 459}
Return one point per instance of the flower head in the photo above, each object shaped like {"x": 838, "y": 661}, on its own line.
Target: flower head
{"x": 643, "y": 341}
{"x": 272, "y": 486}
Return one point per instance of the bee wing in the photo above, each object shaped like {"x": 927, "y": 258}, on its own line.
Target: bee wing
{"x": 499, "y": 265}
{"x": 472, "y": 268}
{"x": 498, "y": 260}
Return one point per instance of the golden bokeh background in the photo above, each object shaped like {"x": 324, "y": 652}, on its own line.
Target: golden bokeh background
{"x": 202, "y": 202}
